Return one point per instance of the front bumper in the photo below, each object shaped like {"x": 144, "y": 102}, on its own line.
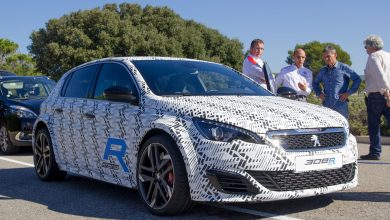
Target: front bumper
{"x": 244, "y": 172}
{"x": 20, "y": 133}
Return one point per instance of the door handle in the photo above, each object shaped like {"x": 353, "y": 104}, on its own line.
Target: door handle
{"x": 89, "y": 115}
{"x": 58, "y": 110}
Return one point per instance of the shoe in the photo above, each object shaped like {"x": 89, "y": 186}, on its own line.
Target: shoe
{"x": 369, "y": 157}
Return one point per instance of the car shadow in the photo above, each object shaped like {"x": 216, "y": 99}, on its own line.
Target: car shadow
{"x": 362, "y": 196}
{"x": 373, "y": 162}
{"x": 23, "y": 151}
{"x": 287, "y": 207}
{"x": 91, "y": 198}
{"x": 85, "y": 197}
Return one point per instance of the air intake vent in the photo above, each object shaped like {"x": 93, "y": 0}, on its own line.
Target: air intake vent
{"x": 289, "y": 181}
{"x": 230, "y": 182}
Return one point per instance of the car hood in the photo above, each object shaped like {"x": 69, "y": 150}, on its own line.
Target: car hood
{"x": 32, "y": 104}
{"x": 255, "y": 113}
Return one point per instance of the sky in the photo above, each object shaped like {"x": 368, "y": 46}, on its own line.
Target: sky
{"x": 281, "y": 24}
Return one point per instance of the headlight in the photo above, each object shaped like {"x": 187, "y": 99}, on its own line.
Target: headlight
{"x": 223, "y": 132}
{"x": 22, "y": 112}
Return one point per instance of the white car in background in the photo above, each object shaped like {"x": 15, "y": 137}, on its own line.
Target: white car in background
{"x": 184, "y": 131}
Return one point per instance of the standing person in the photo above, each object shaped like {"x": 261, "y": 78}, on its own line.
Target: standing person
{"x": 253, "y": 64}
{"x": 377, "y": 76}
{"x": 296, "y": 76}
{"x": 335, "y": 78}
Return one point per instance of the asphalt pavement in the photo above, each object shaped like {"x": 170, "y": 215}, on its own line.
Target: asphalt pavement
{"x": 23, "y": 196}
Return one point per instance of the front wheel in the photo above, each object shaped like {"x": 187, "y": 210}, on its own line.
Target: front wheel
{"x": 6, "y": 145}
{"x": 162, "y": 177}
{"x": 44, "y": 161}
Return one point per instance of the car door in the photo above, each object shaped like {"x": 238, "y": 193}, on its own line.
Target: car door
{"x": 269, "y": 78}
{"x": 68, "y": 120}
{"x": 110, "y": 126}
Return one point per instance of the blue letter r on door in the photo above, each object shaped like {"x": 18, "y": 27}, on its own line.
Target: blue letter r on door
{"x": 119, "y": 154}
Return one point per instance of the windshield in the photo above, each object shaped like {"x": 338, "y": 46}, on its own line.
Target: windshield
{"x": 26, "y": 88}
{"x": 179, "y": 77}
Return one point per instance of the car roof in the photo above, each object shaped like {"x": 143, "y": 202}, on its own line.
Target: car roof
{"x": 22, "y": 77}
{"x": 135, "y": 58}
{"x": 6, "y": 73}
{"x": 144, "y": 58}
{"x": 148, "y": 58}
{"x": 130, "y": 59}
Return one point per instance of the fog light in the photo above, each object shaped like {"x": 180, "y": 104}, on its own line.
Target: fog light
{"x": 23, "y": 135}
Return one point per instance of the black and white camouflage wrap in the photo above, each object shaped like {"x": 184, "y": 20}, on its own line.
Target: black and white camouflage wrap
{"x": 79, "y": 142}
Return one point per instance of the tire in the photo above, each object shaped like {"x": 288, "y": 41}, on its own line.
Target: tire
{"x": 44, "y": 161}
{"x": 164, "y": 189}
{"x": 6, "y": 145}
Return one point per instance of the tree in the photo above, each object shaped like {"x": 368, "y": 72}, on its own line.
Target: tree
{"x": 21, "y": 64}
{"x": 7, "y": 48}
{"x": 314, "y": 51}
{"x": 127, "y": 30}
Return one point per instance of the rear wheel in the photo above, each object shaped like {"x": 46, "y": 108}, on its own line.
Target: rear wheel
{"x": 45, "y": 164}
{"x": 6, "y": 145}
{"x": 162, "y": 177}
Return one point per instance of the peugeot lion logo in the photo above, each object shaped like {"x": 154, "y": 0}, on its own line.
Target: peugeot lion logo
{"x": 316, "y": 141}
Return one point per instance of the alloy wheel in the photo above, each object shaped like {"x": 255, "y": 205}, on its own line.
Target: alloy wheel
{"x": 4, "y": 139}
{"x": 42, "y": 155}
{"x": 156, "y": 176}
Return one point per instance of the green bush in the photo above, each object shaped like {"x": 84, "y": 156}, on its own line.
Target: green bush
{"x": 357, "y": 115}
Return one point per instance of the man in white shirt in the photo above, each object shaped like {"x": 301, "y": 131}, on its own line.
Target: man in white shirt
{"x": 253, "y": 65}
{"x": 296, "y": 76}
{"x": 377, "y": 77}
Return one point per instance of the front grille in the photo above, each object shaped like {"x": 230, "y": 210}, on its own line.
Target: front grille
{"x": 315, "y": 140}
{"x": 289, "y": 181}
{"x": 230, "y": 182}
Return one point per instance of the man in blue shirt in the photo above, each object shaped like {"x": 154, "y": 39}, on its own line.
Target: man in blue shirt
{"x": 335, "y": 78}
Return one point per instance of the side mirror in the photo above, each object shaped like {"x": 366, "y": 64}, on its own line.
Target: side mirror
{"x": 120, "y": 93}
{"x": 287, "y": 92}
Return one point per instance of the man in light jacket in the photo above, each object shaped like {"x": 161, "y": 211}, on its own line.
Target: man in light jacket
{"x": 377, "y": 77}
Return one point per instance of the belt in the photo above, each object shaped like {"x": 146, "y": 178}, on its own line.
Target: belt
{"x": 374, "y": 94}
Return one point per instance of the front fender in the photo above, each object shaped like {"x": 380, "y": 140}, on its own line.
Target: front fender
{"x": 45, "y": 121}
{"x": 178, "y": 130}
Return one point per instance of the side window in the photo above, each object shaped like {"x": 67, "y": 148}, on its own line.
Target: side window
{"x": 80, "y": 82}
{"x": 113, "y": 74}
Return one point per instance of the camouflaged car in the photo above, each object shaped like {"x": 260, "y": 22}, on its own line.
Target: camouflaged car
{"x": 183, "y": 131}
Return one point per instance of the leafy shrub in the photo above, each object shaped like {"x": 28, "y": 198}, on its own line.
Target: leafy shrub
{"x": 357, "y": 115}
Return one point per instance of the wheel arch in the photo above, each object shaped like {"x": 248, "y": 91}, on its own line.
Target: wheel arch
{"x": 180, "y": 199}
{"x": 151, "y": 133}
{"x": 187, "y": 151}
{"x": 39, "y": 125}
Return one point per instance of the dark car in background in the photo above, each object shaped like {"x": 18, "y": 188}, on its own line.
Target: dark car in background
{"x": 20, "y": 99}
{"x": 6, "y": 73}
